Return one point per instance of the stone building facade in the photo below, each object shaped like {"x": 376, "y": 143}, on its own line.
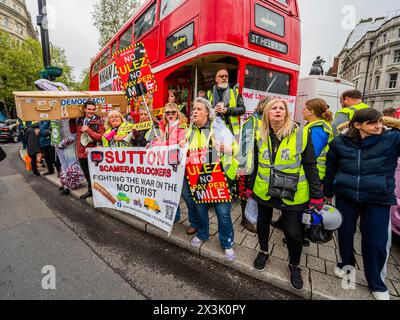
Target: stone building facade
{"x": 15, "y": 19}
{"x": 371, "y": 60}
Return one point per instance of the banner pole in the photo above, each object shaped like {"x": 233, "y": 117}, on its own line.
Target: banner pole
{"x": 150, "y": 115}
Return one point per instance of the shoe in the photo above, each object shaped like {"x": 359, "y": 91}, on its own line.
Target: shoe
{"x": 248, "y": 225}
{"x": 36, "y": 173}
{"x": 340, "y": 273}
{"x": 61, "y": 188}
{"x": 277, "y": 224}
{"x": 260, "y": 261}
{"x": 48, "y": 173}
{"x": 65, "y": 192}
{"x": 191, "y": 230}
{"x": 230, "y": 254}
{"x": 86, "y": 195}
{"x": 295, "y": 277}
{"x": 381, "y": 295}
{"x": 196, "y": 242}
{"x": 306, "y": 243}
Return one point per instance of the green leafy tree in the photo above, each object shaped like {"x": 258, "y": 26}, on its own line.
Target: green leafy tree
{"x": 19, "y": 66}
{"x": 59, "y": 59}
{"x": 83, "y": 85}
{"x": 110, "y": 15}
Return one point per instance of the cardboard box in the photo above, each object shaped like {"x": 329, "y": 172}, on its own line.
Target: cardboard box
{"x": 58, "y": 105}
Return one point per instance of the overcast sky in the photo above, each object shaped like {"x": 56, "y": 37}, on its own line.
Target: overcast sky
{"x": 325, "y": 27}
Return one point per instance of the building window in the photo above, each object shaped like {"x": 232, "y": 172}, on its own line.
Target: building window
{"x": 393, "y": 81}
{"x": 396, "y": 58}
{"x": 384, "y": 38}
{"x": 5, "y": 22}
{"x": 399, "y": 33}
{"x": 377, "y": 83}
{"x": 380, "y": 61}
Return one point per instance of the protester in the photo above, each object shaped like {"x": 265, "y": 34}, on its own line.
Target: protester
{"x": 318, "y": 118}
{"x": 172, "y": 132}
{"x": 173, "y": 97}
{"x": 351, "y": 102}
{"x": 172, "y": 126}
{"x": 143, "y": 137}
{"x": 71, "y": 174}
{"x": 118, "y": 131}
{"x": 286, "y": 179}
{"x": 47, "y": 149}
{"x": 32, "y": 145}
{"x": 389, "y": 112}
{"x": 246, "y": 154}
{"x": 202, "y": 139}
{"x": 227, "y": 102}
{"x": 89, "y": 130}
{"x": 360, "y": 172}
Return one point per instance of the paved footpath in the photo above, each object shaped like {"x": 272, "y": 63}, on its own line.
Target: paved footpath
{"x": 317, "y": 261}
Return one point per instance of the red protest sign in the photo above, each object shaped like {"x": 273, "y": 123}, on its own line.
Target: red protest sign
{"x": 133, "y": 68}
{"x": 208, "y": 183}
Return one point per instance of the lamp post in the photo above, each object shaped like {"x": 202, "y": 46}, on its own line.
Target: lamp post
{"x": 44, "y": 32}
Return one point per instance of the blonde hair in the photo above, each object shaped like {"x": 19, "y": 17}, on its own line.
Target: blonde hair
{"x": 181, "y": 117}
{"x": 288, "y": 125}
{"x": 112, "y": 113}
{"x": 151, "y": 115}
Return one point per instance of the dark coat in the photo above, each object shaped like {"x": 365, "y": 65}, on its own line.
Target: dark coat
{"x": 45, "y": 134}
{"x": 32, "y": 141}
{"x": 363, "y": 172}
{"x": 2, "y": 154}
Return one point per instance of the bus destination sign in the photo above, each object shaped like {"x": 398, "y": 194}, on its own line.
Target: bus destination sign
{"x": 268, "y": 43}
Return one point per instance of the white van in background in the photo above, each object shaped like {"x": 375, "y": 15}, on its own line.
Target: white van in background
{"x": 324, "y": 87}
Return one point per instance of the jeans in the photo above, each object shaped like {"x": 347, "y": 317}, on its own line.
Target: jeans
{"x": 193, "y": 214}
{"x": 376, "y": 235}
{"x": 178, "y": 215}
{"x": 225, "y": 226}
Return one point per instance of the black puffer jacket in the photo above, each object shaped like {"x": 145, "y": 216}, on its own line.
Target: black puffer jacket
{"x": 363, "y": 172}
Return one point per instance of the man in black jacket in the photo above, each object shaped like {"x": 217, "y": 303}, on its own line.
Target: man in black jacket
{"x": 32, "y": 146}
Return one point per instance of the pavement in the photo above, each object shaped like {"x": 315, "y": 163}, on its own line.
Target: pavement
{"x": 317, "y": 261}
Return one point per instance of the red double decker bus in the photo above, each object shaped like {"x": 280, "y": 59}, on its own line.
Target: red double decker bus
{"x": 187, "y": 41}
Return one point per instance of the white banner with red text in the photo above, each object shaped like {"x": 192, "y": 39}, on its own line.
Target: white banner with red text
{"x": 146, "y": 183}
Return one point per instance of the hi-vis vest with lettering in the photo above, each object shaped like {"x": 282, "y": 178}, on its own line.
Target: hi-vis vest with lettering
{"x": 123, "y": 130}
{"x": 321, "y": 160}
{"x": 288, "y": 159}
{"x": 235, "y": 120}
{"x": 198, "y": 139}
{"x": 350, "y": 111}
{"x": 246, "y": 158}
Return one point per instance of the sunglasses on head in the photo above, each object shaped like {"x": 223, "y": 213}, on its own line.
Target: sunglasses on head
{"x": 170, "y": 113}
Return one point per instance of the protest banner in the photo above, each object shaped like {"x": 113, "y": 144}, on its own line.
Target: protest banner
{"x": 133, "y": 68}
{"x": 207, "y": 180}
{"x": 139, "y": 181}
{"x": 251, "y": 98}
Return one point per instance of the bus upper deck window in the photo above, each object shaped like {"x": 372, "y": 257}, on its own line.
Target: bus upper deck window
{"x": 126, "y": 39}
{"x": 167, "y": 6}
{"x": 145, "y": 22}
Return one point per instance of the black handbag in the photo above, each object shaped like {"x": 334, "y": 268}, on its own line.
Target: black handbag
{"x": 283, "y": 185}
{"x": 2, "y": 154}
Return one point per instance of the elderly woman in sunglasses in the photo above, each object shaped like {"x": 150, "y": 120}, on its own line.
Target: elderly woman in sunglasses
{"x": 173, "y": 130}
{"x": 172, "y": 127}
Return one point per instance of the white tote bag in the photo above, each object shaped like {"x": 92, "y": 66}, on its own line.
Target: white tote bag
{"x": 251, "y": 211}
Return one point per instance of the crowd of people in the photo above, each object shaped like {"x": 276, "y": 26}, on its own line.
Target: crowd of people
{"x": 349, "y": 160}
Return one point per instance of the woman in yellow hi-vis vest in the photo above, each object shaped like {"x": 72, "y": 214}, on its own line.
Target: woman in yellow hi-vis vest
{"x": 205, "y": 148}
{"x": 286, "y": 179}
{"x": 118, "y": 131}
